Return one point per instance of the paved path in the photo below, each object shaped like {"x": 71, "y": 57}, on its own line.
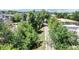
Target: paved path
{"x": 48, "y": 41}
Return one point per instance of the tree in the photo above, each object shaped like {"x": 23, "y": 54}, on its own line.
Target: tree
{"x": 36, "y": 19}
{"x": 25, "y": 37}
{"x": 60, "y": 35}
{"x": 24, "y": 16}
{"x": 17, "y": 17}
{"x": 11, "y": 12}
{"x": 76, "y": 16}
{"x": 61, "y": 15}
{"x": 1, "y": 28}
{"x": 5, "y": 33}
{"x": 6, "y": 37}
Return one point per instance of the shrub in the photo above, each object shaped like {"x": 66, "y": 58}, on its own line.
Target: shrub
{"x": 7, "y": 47}
{"x": 25, "y": 37}
{"x": 60, "y": 35}
{"x": 17, "y": 17}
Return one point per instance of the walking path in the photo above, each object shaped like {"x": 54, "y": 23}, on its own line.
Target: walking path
{"x": 48, "y": 41}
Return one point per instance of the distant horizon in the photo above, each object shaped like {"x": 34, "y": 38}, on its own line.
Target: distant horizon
{"x": 49, "y": 10}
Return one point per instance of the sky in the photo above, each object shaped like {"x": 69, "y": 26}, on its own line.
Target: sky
{"x": 39, "y": 4}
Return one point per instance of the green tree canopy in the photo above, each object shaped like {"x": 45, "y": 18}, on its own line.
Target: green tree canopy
{"x": 60, "y": 35}
{"x": 25, "y": 36}
{"x": 17, "y": 17}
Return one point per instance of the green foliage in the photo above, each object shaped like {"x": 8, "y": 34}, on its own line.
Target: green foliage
{"x": 5, "y": 37}
{"x": 45, "y": 14}
{"x": 36, "y": 19}
{"x": 72, "y": 16}
{"x": 11, "y": 12}
{"x": 61, "y": 15}
{"x": 24, "y": 16}
{"x": 1, "y": 27}
{"x": 6, "y": 33}
{"x": 7, "y": 47}
{"x": 76, "y": 16}
{"x": 25, "y": 37}
{"x": 31, "y": 20}
{"x": 60, "y": 35}
{"x": 17, "y": 17}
